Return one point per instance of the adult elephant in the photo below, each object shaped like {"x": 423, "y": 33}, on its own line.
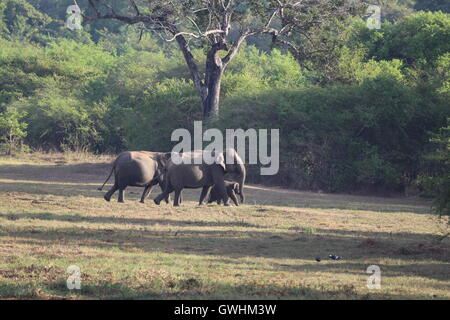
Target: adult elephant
{"x": 137, "y": 169}
{"x": 191, "y": 172}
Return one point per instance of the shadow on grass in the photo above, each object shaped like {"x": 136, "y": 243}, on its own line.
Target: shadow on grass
{"x": 186, "y": 289}
{"x": 58, "y": 290}
{"x": 126, "y": 220}
{"x": 79, "y": 173}
{"x": 431, "y": 271}
{"x": 253, "y": 243}
{"x": 376, "y": 240}
{"x": 228, "y": 246}
{"x": 132, "y": 194}
{"x": 255, "y": 196}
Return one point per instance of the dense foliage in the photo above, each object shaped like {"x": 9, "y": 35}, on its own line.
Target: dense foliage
{"x": 367, "y": 112}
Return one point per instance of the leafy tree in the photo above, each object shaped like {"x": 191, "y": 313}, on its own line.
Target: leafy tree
{"x": 443, "y": 155}
{"x": 58, "y": 87}
{"x": 57, "y": 11}
{"x": 435, "y": 180}
{"x": 393, "y": 10}
{"x": 208, "y": 24}
{"x": 20, "y": 20}
{"x": 12, "y": 128}
{"x": 57, "y": 120}
{"x": 418, "y": 38}
{"x": 433, "y": 5}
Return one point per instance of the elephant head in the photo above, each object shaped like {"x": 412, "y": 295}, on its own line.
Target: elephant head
{"x": 231, "y": 162}
{"x": 162, "y": 160}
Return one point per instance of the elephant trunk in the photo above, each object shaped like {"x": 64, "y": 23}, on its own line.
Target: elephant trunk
{"x": 241, "y": 181}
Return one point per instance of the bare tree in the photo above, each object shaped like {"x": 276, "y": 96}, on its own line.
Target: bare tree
{"x": 208, "y": 23}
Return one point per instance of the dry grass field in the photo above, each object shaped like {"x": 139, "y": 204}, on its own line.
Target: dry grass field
{"x": 52, "y": 216}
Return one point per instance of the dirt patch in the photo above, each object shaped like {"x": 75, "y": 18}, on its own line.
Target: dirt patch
{"x": 424, "y": 249}
{"x": 36, "y": 272}
{"x": 370, "y": 243}
{"x": 189, "y": 284}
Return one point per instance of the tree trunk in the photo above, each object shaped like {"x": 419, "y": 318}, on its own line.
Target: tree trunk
{"x": 10, "y": 142}
{"x": 211, "y": 102}
{"x": 213, "y": 77}
{"x": 209, "y": 89}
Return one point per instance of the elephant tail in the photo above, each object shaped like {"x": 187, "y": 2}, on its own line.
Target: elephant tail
{"x": 112, "y": 170}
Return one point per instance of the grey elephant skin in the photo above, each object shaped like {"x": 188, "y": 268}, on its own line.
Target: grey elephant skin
{"x": 137, "y": 169}
{"x": 232, "y": 189}
{"x": 189, "y": 174}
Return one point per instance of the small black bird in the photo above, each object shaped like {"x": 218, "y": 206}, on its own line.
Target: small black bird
{"x": 318, "y": 259}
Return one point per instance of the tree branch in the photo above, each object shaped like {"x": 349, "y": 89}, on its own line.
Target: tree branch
{"x": 113, "y": 15}
{"x": 235, "y": 48}
{"x": 193, "y": 35}
{"x": 189, "y": 58}
{"x": 133, "y": 4}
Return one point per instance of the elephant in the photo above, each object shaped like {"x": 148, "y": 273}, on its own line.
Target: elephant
{"x": 137, "y": 169}
{"x": 194, "y": 172}
{"x": 232, "y": 189}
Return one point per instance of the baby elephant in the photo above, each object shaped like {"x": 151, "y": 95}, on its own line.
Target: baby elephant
{"x": 232, "y": 189}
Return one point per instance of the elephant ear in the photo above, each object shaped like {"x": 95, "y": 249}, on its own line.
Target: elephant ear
{"x": 163, "y": 159}
{"x": 220, "y": 160}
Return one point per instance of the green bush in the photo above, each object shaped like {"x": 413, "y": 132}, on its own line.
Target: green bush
{"x": 343, "y": 138}
{"x": 435, "y": 178}
{"x": 12, "y": 131}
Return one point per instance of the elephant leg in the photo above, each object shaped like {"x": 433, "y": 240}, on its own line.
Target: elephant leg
{"x": 163, "y": 195}
{"x": 204, "y": 193}
{"x": 147, "y": 191}
{"x": 233, "y": 197}
{"x": 212, "y": 195}
{"x": 111, "y": 191}
{"x": 121, "y": 195}
{"x": 222, "y": 192}
{"x": 222, "y": 195}
{"x": 219, "y": 185}
{"x": 176, "y": 200}
{"x": 167, "y": 198}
